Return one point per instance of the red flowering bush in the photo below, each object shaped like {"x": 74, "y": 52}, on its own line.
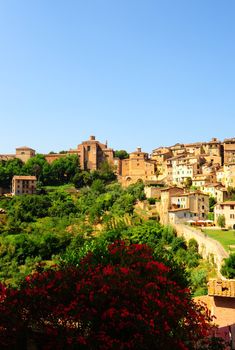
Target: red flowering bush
{"x": 126, "y": 301}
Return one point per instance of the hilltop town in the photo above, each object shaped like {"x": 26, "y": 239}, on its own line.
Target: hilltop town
{"x": 113, "y": 195}
{"x": 181, "y": 178}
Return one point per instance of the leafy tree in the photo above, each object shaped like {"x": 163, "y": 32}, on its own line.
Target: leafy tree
{"x": 212, "y": 202}
{"x": 34, "y": 166}
{"x": 8, "y": 169}
{"x": 64, "y": 169}
{"x": 106, "y": 172}
{"x": 221, "y": 220}
{"x": 82, "y": 179}
{"x": 122, "y": 154}
{"x": 228, "y": 268}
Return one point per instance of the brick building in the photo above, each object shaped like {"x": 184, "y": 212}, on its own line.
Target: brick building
{"x": 91, "y": 153}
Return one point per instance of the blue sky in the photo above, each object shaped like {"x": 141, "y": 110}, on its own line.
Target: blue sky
{"x": 133, "y": 72}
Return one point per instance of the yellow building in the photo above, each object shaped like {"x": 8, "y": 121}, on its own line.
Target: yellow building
{"x": 138, "y": 167}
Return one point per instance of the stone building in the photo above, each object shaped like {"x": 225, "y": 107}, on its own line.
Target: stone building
{"x": 176, "y": 205}
{"x": 24, "y": 185}
{"x": 229, "y": 151}
{"x": 215, "y": 190}
{"x": 137, "y": 167}
{"x": 188, "y": 206}
{"x": 24, "y": 153}
{"x": 164, "y": 205}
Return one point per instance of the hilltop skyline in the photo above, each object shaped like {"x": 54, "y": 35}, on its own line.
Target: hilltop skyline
{"x": 109, "y": 145}
{"x": 134, "y": 73}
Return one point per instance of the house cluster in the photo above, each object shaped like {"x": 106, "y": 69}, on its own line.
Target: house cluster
{"x": 188, "y": 173}
{"x": 199, "y": 170}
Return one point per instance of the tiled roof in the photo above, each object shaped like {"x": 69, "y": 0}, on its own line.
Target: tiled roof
{"x": 26, "y": 148}
{"x": 24, "y": 177}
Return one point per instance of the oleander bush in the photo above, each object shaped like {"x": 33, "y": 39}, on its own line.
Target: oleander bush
{"x": 124, "y": 299}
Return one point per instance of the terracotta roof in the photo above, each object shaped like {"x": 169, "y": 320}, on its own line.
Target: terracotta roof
{"x": 178, "y": 209}
{"x": 228, "y": 203}
{"x": 24, "y": 177}
{"x": 26, "y": 148}
{"x": 172, "y": 188}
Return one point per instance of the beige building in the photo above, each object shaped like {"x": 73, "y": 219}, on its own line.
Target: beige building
{"x": 24, "y": 185}
{"x": 164, "y": 205}
{"x": 228, "y": 210}
{"x": 215, "y": 190}
{"x": 200, "y": 180}
{"x": 184, "y": 167}
{"x": 176, "y": 205}
{"x": 178, "y": 149}
{"x": 24, "y": 153}
{"x": 229, "y": 151}
{"x": 161, "y": 154}
{"x": 194, "y": 205}
{"x": 138, "y": 167}
{"x": 229, "y": 175}
{"x": 194, "y": 148}
{"x": 220, "y": 176}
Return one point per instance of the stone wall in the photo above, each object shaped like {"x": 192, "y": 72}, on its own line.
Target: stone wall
{"x": 209, "y": 248}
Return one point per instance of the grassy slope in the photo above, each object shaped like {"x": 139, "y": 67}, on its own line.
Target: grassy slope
{"x": 226, "y": 238}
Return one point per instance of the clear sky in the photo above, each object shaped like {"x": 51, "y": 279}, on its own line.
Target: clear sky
{"x": 133, "y": 72}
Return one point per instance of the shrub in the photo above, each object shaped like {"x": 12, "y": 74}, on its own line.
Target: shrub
{"x": 126, "y": 300}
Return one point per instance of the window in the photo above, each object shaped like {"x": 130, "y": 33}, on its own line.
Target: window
{"x": 232, "y": 216}
{"x": 232, "y": 207}
{"x": 88, "y": 148}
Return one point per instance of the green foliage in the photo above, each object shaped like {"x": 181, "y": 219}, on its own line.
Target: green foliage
{"x": 193, "y": 245}
{"x": 198, "y": 281}
{"x": 188, "y": 182}
{"x": 212, "y": 202}
{"x": 27, "y": 208}
{"x": 177, "y": 243}
{"x": 151, "y": 200}
{"x": 121, "y": 154}
{"x": 228, "y": 268}
{"x": 8, "y": 169}
{"x": 221, "y": 220}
